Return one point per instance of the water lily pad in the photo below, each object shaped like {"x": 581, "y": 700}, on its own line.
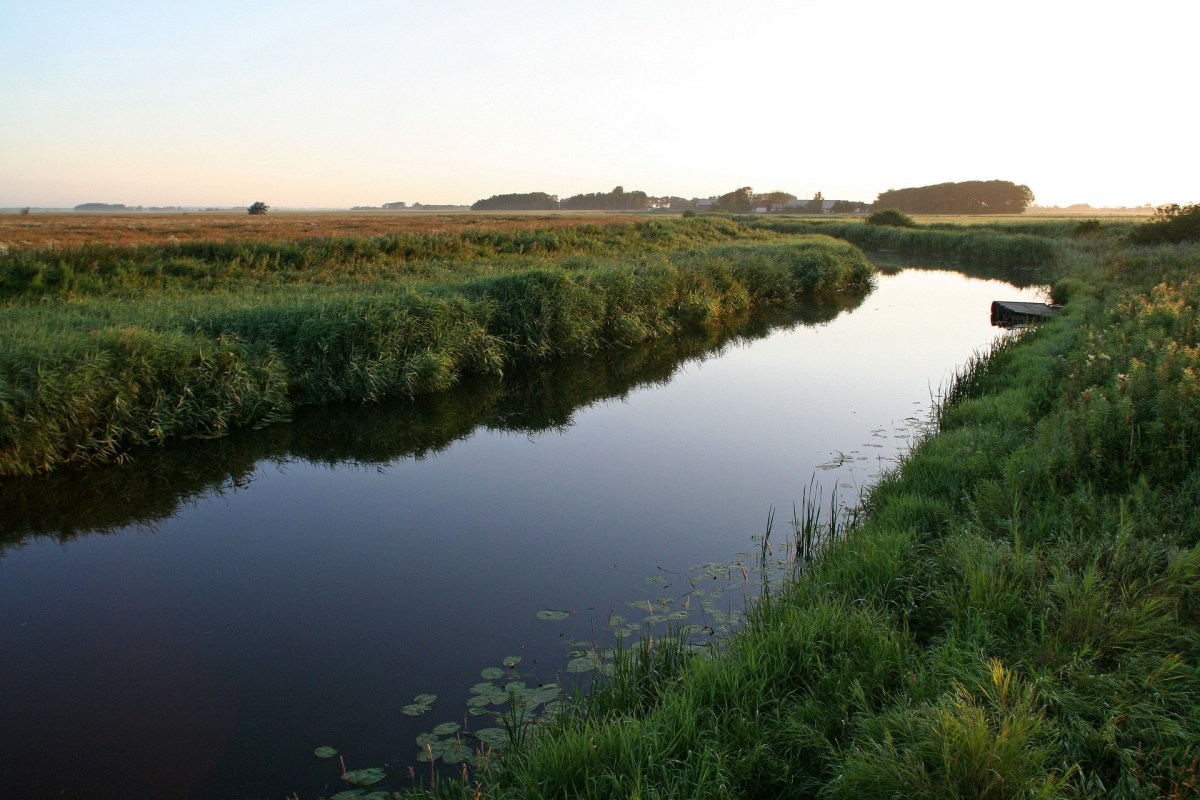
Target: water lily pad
{"x": 365, "y": 777}
{"x": 495, "y": 738}
{"x": 492, "y": 673}
{"x": 511, "y": 662}
{"x": 585, "y": 663}
{"x": 431, "y": 748}
{"x": 350, "y": 794}
{"x": 420, "y": 704}
{"x": 542, "y": 694}
{"x": 456, "y": 752}
{"x": 446, "y": 728}
{"x": 551, "y": 614}
{"x": 325, "y": 752}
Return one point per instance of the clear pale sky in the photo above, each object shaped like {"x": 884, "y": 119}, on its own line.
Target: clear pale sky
{"x": 362, "y": 102}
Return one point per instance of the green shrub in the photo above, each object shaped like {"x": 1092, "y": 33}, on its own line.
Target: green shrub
{"x": 1172, "y": 223}
{"x": 892, "y": 217}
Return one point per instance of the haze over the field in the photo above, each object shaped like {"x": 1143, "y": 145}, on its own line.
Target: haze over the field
{"x": 317, "y": 104}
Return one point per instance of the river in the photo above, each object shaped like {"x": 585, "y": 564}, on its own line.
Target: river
{"x": 195, "y": 623}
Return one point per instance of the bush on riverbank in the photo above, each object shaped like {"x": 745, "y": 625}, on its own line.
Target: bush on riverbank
{"x": 89, "y": 379}
{"x": 1018, "y": 615}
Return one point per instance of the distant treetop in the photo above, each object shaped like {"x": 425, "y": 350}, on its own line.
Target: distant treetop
{"x": 967, "y": 197}
{"x": 531, "y": 201}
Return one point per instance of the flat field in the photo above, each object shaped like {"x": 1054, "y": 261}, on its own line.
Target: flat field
{"x": 69, "y": 229}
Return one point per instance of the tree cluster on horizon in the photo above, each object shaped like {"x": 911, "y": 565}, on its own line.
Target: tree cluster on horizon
{"x": 966, "y": 197}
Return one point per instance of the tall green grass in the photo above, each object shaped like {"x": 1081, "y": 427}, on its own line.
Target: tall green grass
{"x": 1015, "y": 614}
{"x": 1010, "y": 244}
{"x": 86, "y": 380}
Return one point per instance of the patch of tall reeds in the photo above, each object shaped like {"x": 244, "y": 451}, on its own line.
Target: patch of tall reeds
{"x": 1008, "y": 244}
{"x": 86, "y": 380}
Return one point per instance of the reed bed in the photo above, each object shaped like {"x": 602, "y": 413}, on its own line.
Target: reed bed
{"x": 86, "y": 378}
{"x": 1034, "y": 244}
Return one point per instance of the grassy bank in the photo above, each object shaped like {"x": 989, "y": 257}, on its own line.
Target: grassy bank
{"x": 109, "y": 348}
{"x": 1016, "y": 613}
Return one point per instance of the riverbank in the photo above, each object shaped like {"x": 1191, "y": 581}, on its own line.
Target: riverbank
{"x": 1015, "y": 614}
{"x": 110, "y": 348}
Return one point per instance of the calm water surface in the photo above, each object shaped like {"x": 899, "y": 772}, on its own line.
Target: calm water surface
{"x": 194, "y": 625}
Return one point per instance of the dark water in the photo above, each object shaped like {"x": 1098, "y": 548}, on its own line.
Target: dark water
{"x": 192, "y": 625}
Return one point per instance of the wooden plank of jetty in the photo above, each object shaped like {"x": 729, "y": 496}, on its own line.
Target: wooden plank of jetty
{"x": 1014, "y": 313}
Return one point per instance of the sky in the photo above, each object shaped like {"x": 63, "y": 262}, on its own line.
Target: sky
{"x": 362, "y": 102}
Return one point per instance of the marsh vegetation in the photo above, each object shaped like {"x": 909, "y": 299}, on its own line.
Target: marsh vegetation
{"x": 108, "y": 348}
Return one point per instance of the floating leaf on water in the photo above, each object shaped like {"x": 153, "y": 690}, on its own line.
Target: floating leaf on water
{"x": 446, "y": 728}
{"x": 551, "y": 614}
{"x": 324, "y": 752}
{"x": 350, "y": 794}
{"x": 414, "y": 710}
{"x": 478, "y": 711}
{"x": 654, "y": 579}
{"x": 495, "y": 738}
{"x": 543, "y": 694}
{"x": 492, "y": 673}
{"x": 425, "y": 699}
{"x": 514, "y": 688}
{"x": 511, "y": 662}
{"x": 456, "y": 752}
{"x": 365, "y": 777}
{"x": 677, "y": 615}
{"x": 585, "y": 663}
{"x": 483, "y": 687}
{"x": 433, "y": 748}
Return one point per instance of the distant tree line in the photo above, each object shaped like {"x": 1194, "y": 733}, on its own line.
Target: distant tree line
{"x": 967, "y": 197}
{"x": 616, "y": 200}
{"x": 101, "y": 207}
{"x": 530, "y": 201}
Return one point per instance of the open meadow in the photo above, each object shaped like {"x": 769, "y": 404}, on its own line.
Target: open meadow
{"x": 73, "y": 229}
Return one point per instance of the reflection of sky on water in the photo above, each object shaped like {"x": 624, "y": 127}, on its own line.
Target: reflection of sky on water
{"x": 214, "y": 653}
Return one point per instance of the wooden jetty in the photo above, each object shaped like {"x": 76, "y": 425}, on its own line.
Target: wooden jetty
{"x": 1016, "y": 313}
